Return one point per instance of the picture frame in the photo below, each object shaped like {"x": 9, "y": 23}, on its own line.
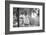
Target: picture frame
{"x": 9, "y": 10}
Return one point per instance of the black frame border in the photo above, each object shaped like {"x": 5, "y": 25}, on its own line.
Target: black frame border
{"x": 7, "y": 17}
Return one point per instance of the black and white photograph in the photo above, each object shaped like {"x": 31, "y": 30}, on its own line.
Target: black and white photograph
{"x": 28, "y": 17}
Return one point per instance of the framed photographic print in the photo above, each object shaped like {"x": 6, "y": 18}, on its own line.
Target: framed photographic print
{"x": 24, "y": 17}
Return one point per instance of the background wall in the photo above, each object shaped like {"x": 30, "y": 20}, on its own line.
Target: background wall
{"x": 2, "y": 17}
